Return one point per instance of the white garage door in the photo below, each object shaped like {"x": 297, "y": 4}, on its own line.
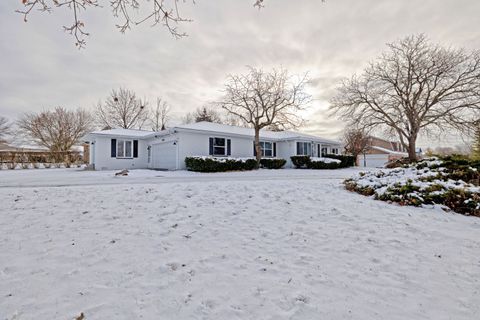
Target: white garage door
{"x": 164, "y": 156}
{"x": 373, "y": 160}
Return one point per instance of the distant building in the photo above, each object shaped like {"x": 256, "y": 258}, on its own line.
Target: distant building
{"x": 380, "y": 152}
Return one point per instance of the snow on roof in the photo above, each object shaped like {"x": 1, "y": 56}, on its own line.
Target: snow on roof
{"x": 124, "y": 133}
{"x": 389, "y": 151}
{"x": 236, "y": 130}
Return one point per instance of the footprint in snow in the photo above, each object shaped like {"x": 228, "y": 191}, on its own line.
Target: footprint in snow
{"x": 301, "y": 298}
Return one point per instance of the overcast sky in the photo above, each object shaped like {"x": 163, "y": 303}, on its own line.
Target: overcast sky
{"x": 40, "y": 67}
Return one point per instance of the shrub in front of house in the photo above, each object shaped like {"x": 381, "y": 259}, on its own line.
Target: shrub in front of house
{"x": 273, "y": 163}
{"x": 346, "y": 161}
{"x": 451, "y": 184}
{"x": 212, "y": 164}
{"x": 300, "y": 161}
{"x": 327, "y": 162}
{"x": 324, "y": 165}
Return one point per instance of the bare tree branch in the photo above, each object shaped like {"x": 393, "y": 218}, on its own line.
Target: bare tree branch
{"x": 265, "y": 99}
{"x": 414, "y": 87}
{"x": 205, "y": 113}
{"x": 5, "y": 127}
{"x": 57, "y": 130}
{"x": 356, "y": 141}
{"x": 129, "y": 12}
{"x": 160, "y": 116}
{"x": 122, "y": 110}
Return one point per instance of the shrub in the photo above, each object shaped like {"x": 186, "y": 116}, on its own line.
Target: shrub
{"x": 324, "y": 165}
{"x": 345, "y": 161}
{"x": 204, "y": 164}
{"x": 272, "y": 163}
{"x": 452, "y": 184}
{"x": 306, "y": 162}
{"x": 398, "y": 163}
{"x": 300, "y": 161}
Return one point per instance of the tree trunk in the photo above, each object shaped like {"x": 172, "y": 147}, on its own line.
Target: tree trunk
{"x": 412, "y": 148}
{"x": 258, "y": 150}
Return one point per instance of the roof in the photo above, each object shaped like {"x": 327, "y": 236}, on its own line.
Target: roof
{"x": 211, "y": 127}
{"x": 243, "y": 131}
{"x": 118, "y": 132}
{"x": 389, "y": 151}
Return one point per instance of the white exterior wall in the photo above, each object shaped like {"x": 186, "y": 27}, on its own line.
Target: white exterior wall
{"x": 286, "y": 149}
{"x": 171, "y": 139}
{"x": 187, "y": 144}
{"x": 103, "y": 160}
{"x": 197, "y": 144}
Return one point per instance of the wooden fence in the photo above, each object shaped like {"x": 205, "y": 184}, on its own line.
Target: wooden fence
{"x": 36, "y": 159}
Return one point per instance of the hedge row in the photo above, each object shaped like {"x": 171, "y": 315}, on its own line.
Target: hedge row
{"x": 306, "y": 162}
{"x": 345, "y": 161}
{"x": 273, "y": 163}
{"x": 205, "y": 164}
{"x": 218, "y": 164}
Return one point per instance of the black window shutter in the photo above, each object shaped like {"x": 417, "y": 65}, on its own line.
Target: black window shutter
{"x": 210, "y": 152}
{"x": 113, "y": 148}
{"x": 254, "y": 149}
{"x": 229, "y": 147}
{"x": 135, "y": 148}
{"x": 274, "y": 149}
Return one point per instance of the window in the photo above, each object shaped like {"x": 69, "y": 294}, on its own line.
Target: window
{"x": 124, "y": 148}
{"x": 219, "y": 147}
{"x": 334, "y": 150}
{"x": 324, "y": 151}
{"x": 267, "y": 149}
{"x": 149, "y": 153}
{"x": 304, "y": 149}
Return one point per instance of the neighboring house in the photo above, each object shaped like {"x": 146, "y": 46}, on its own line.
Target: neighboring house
{"x": 167, "y": 149}
{"x": 380, "y": 152}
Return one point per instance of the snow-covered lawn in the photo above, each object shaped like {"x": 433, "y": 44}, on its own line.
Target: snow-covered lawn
{"x": 285, "y": 244}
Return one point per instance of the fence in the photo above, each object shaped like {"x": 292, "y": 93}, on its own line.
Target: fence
{"x": 35, "y": 159}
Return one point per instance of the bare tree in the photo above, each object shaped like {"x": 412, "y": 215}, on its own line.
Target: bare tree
{"x": 57, "y": 130}
{"x": 129, "y": 12}
{"x": 262, "y": 99}
{"x": 122, "y": 110}
{"x": 414, "y": 87}
{"x": 160, "y": 115}
{"x": 208, "y": 114}
{"x": 356, "y": 142}
{"x": 188, "y": 118}
{"x": 232, "y": 120}
{"x": 5, "y": 127}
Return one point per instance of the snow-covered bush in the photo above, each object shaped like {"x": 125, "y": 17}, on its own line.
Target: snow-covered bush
{"x": 300, "y": 161}
{"x": 346, "y": 161}
{"x": 220, "y": 164}
{"x": 327, "y": 162}
{"x": 273, "y": 163}
{"x": 428, "y": 182}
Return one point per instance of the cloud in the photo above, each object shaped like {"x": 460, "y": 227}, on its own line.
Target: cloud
{"x": 41, "y": 68}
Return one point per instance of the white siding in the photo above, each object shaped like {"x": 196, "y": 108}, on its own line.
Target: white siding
{"x": 372, "y": 160}
{"x": 164, "y": 156}
{"x": 286, "y": 149}
{"x": 197, "y": 144}
{"x": 103, "y": 160}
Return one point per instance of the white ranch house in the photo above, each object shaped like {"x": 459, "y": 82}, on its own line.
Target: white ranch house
{"x": 167, "y": 149}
